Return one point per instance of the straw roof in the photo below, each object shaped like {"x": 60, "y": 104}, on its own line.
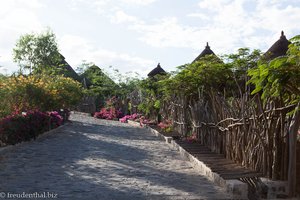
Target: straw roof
{"x": 279, "y": 48}
{"x": 68, "y": 71}
{"x": 206, "y": 51}
{"x": 157, "y": 70}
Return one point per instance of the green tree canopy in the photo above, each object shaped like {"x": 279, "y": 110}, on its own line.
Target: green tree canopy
{"x": 280, "y": 77}
{"x": 37, "y": 52}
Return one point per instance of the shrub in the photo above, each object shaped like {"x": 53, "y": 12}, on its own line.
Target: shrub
{"x": 166, "y": 126}
{"x": 55, "y": 119}
{"x": 108, "y": 113}
{"x": 129, "y": 117}
{"x": 16, "y": 128}
{"x": 38, "y": 92}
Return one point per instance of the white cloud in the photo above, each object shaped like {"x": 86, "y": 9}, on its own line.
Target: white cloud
{"x": 16, "y": 18}
{"x": 139, "y": 2}
{"x": 170, "y": 33}
{"x": 100, "y": 5}
{"x": 75, "y": 49}
{"x": 121, "y": 17}
{"x": 230, "y": 25}
{"x": 213, "y": 4}
{"x": 198, "y": 15}
{"x": 275, "y": 19}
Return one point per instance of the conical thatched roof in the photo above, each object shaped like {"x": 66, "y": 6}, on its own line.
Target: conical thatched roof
{"x": 68, "y": 71}
{"x": 206, "y": 51}
{"x": 157, "y": 70}
{"x": 279, "y": 48}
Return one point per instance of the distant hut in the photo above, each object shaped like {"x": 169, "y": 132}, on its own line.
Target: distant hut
{"x": 279, "y": 48}
{"x": 68, "y": 71}
{"x": 157, "y": 70}
{"x": 205, "y": 52}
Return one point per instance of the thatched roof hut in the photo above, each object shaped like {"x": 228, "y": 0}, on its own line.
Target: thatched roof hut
{"x": 68, "y": 71}
{"x": 206, "y": 51}
{"x": 157, "y": 70}
{"x": 279, "y": 48}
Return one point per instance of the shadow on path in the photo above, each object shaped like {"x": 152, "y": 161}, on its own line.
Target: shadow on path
{"x": 102, "y": 161}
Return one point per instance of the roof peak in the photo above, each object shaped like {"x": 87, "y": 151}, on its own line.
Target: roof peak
{"x": 279, "y": 48}
{"x": 157, "y": 70}
{"x": 207, "y": 46}
{"x": 282, "y": 35}
{"x": 206, "y": 51}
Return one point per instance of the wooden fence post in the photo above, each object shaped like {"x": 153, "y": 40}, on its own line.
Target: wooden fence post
{"x": 293, "y": 131}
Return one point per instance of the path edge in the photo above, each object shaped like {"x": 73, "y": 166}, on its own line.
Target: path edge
{"x": 39, "y": 137}
{"x": 235, "y": 187}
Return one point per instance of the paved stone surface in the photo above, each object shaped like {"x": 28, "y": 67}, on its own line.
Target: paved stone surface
{"x": 97, "y": 159}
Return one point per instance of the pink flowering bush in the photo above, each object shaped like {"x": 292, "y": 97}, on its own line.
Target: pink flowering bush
{"x": 55, "y": 119}
{"x": 166, "y": 126}
{"x": 192, "y": 137}
{"x": 25, "y": 126}
{"x": 145, "y": 121}
{"x": 130, "y": 117}
{"x": 108, "y": 113}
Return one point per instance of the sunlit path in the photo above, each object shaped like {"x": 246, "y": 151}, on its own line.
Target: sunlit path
{"x": 95, "y": 159}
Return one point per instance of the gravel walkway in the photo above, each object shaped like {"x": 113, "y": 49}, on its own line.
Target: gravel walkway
{"x": 97, "y": 159}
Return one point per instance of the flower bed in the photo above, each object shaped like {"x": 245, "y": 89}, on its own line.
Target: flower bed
{"x": 133, "y": 117}
{"x": 111, "y": 111}
{"x": 16, "y": 128}
{"x": 108, "y": 113}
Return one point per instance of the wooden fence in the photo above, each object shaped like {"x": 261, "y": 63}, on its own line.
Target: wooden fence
{"x": 251, "y": 133}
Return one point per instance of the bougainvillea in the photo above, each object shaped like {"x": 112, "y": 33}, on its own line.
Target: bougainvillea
{"x": 108, "y": 113}
{"x": 166, "y": 126}
{"x": 25, "y": 126}
{"x": 130, "y": 117}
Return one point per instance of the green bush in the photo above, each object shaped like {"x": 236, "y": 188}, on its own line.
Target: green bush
{"x": 38, "y": 92}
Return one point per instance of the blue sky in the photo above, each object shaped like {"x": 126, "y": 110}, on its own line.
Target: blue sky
{"x": 134, "y": 35}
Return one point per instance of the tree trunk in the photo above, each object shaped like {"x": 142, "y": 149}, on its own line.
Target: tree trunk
{"x": 293, "y": 130}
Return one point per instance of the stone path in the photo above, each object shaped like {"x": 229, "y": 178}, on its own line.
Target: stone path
{"x": 97, "y": 159}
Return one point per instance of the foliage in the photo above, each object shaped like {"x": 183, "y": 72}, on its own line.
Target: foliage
{"x": 209, "y": 73}
{"x": 192, "y": 137}
{"x": 134, "y": 116}
{"x": 240, "y": 63}
{"x": 280, "y": 77}
{"x": 67, "y": 92}
{"x": 152, "y": 94}
{"x": 102, "y": 85}
{"x": 110, "y": 111}
{"x": 166, "y": 126}
{"x": 55, "y": 119}
{"x": 37, "y": 52}
{"x": 16, "y": 128}
{"x": 23, "y": 93}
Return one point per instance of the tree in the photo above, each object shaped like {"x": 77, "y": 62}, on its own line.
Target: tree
{"x": 37, "y": 52}
{"x": 102, "y": 86}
